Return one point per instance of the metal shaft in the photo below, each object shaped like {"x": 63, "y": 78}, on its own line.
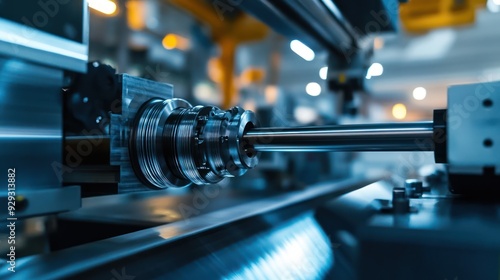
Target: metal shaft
{"x": 416, "y": 136}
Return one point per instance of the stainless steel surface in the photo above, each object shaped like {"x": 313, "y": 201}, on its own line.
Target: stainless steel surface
{"x": 311, "y": 22}
{"x": 367, "y": 137}
{"x": 148, "y": 146}
{"x": 295, "y": 249}
{"x": 31, "y": 123}
{"x": 27, "y": 42}
{"x": 134, "y": 93}
{"x": 414, "y": 187}
{"x": 98, "y": 259}
{"x": 31, "y": 138}
{"x": 332, "y": 28}
{"x": 173, "y": 144}
{"x": 474, "y": 128}
{"x": 44, "y": 202}
{"x": 446, "y": 237}
{"x": 398, "y": 193}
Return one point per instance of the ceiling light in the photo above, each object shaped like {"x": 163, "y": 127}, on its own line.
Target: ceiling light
{"x": 305, "y": 115}
{"x": 378, "y": 43}
{"x": 106, "y": 7}
{"x": 376, "y": 69}
{"x": 302, "y": 50}
{"x": 173, "y": 41}
{"x": 399, "y": 111}
{"x": 493, "y": 6}
{"x": 323, "y": 72}
{"x": 419, "y": 93}
{"x": 313, "y": 89}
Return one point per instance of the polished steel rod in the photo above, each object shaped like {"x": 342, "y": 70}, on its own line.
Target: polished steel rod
{"x": 415, "y": 136}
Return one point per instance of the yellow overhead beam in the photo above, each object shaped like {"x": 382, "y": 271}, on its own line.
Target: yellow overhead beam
{"x": 228, "y": 33}
{"x": 425, "y": 15}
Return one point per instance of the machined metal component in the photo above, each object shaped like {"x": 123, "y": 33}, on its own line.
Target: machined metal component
{"x": 173, "y": 144}
{"x": 414, "y": 187}
{"x": 31, "y": 128}
{"x": 398, "y": 193}
{"x": 147, "y": 147}
{"x": 415, "y": 136}
{"x": 43, "y": 42}
{"x": 474, "y": 128}
{"x": 401, "y": 206}
{"x": 473, "y": 138}
{"x": 400, "y": 202}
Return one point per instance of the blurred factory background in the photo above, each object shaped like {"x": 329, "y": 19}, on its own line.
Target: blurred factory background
{"x": 183, "y": 43}
{"x": 294, "y": 63}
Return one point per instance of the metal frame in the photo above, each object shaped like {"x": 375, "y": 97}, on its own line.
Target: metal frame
{"x": 44, "y": 47}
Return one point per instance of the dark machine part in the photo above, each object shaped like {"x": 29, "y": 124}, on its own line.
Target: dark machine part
{"x": 334, "y": 25}
{"x": 137, "y": 135}
{"x": 89, "y": 99}
{"x": 99, "y": 108}
{"x": 347, "y": 77}
{"x": 367, "y": 17}
{"x": 444, "y": 237}
{"x": 66, "y": 17}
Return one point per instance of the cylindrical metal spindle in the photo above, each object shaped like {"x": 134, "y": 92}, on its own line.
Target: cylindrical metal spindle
{"x": 416, "y": 136}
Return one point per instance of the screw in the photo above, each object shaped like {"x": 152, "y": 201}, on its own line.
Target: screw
{"x": 398, "y": 193}
{"x": 400, "y": 204}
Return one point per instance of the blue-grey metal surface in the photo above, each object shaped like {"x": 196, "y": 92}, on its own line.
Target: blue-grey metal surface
{"x": 308, "y": 21}
{"x": 473, "y": 131}
{"x": 30, "y": 40}
{"x": 135, "y": 92}
{"x": 30, "y": 123}
{"x": 447, "y": 237}
{"x": 31, "y": 140}
{"x": 44, "y": 202}
{"x": 176, "y": 244}
{"x": 416, "y": 136}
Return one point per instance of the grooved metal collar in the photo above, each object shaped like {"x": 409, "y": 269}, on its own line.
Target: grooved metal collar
{"x": 173, "y": 144}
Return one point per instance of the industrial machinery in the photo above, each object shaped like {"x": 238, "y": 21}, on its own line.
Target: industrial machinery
{"x": 158, "y": 141}
{"x": 72, "y": 129}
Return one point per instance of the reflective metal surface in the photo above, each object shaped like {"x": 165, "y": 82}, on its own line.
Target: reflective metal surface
{"x": 31, "y": 123}
{"x": 135, "y": 92}
{"x": 446, "y": 237}
{"x": 474, "y": 128}
{"x": 268, "y": 223}
{"x": 311, "y": 22}
{"x": 173, "y": 144}
{"x": 147, "y": 147}
{"x": 298, "y": 249}
{"x": 29, "y": 42}
{"x": 44, "y": 202}
{"x": 367, "y": 137}
{"x": 31, "y": 138}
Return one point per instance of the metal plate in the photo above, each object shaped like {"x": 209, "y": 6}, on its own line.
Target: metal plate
{"x": 473, "y": 120}
{"x": 39, "y": 36}
{"x": 161, "y": 251}
{"x": 135, "y": 92}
